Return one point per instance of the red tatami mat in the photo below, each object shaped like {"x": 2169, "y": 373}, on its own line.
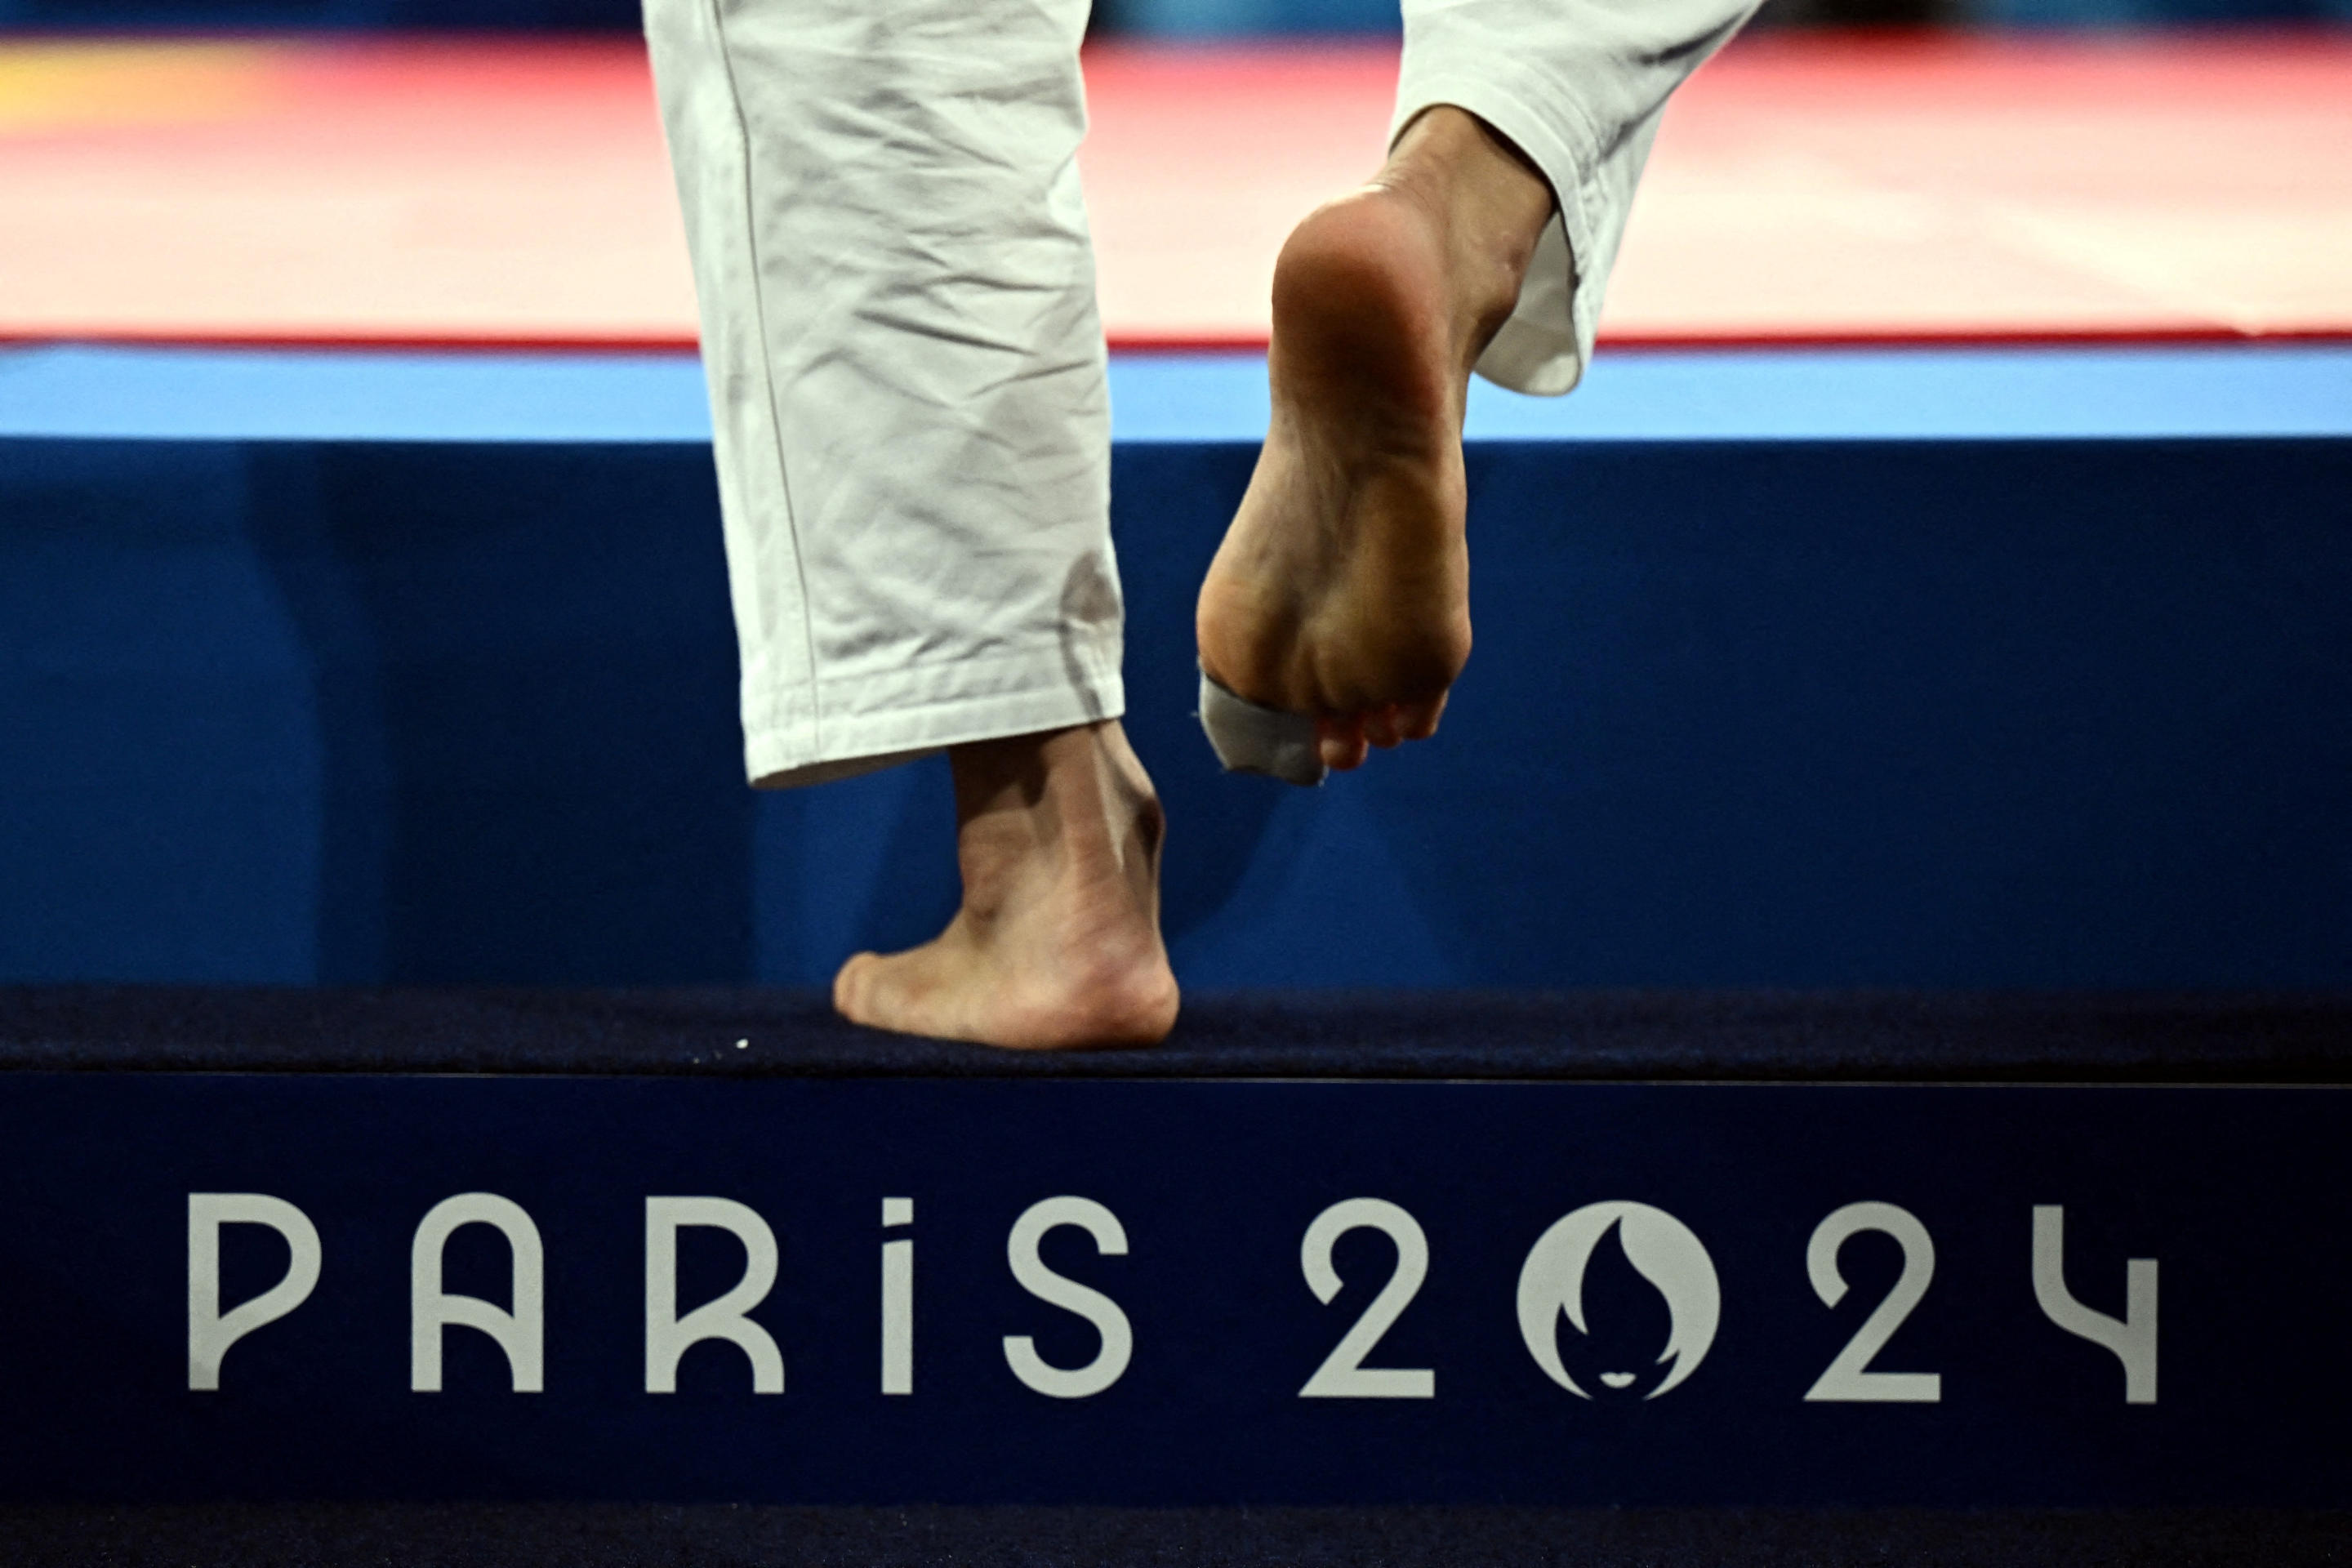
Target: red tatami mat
{"x": 1804, "y": 190}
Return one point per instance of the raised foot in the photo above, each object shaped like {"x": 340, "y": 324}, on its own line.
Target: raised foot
{"x": 1056, "y": 946}
{"x": 1341, "y": 590}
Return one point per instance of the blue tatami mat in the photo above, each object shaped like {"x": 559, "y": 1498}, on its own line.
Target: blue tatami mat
{"x": 90, "y": 393}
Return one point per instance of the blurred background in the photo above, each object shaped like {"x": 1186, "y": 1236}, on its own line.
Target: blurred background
{"x": 1142, "y": 18}
{"x": 1944, "y": 588}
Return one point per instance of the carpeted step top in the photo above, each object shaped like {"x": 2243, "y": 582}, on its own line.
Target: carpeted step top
{"x": 1863, "y": 1037}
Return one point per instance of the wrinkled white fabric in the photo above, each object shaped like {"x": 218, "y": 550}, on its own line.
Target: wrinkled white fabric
{"x": 1578, "y": 86}
{"x": 906, "y": 367}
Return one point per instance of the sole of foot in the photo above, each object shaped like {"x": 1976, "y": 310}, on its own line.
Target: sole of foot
{"x": 1056, "y": 946}
{"x": 1342, "y": 588}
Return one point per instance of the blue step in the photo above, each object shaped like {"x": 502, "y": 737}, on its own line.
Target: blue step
{"x": 1978, "y": 669}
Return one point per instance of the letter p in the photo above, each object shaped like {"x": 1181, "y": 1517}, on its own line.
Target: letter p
{"x": 211, "y": 1331}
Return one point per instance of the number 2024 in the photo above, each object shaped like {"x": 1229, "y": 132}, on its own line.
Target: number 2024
{"x": 1848, "y": 1378}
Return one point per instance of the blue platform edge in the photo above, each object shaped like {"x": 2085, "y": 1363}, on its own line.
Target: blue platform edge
{"x": 85, "y": 392}
{"x": 357, "y": 680}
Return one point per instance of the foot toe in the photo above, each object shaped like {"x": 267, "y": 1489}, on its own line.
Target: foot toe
{"x": 1341, "y": 742}
{"x": 849, "y": 985}
{"x": 1418, "y": 720}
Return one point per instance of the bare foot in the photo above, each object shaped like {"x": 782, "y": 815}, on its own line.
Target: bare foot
{"x": 1342, "y": 589}
{"x": 1057, "y": 943}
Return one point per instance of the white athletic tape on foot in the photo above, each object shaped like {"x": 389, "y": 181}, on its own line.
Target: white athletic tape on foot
{"x": 1249, "y": 739}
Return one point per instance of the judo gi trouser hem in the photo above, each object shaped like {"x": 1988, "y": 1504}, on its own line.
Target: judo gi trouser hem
{"x": 1580, "y": 89}
{"x": 843, "y": 728}
{"x": 1538, "y": 351}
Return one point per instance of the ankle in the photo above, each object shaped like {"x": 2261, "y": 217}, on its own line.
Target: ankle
{"x": 1489, "y": 204}
{"x": 1042, "y": 816}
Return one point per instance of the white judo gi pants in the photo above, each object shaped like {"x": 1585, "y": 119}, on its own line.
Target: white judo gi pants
{"x": 906, "y": 366}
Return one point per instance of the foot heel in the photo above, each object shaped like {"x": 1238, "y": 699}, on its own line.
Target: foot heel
{"x": 1249, "y": 739}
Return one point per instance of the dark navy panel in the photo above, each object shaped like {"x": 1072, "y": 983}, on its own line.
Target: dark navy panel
{"x": 2030, "y": 714}
{"x": 161, "y": 780}
{"x": 2241, "y": 1196}
{"x": 295, "y": 713}
{"x": 1975, "y": 714}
